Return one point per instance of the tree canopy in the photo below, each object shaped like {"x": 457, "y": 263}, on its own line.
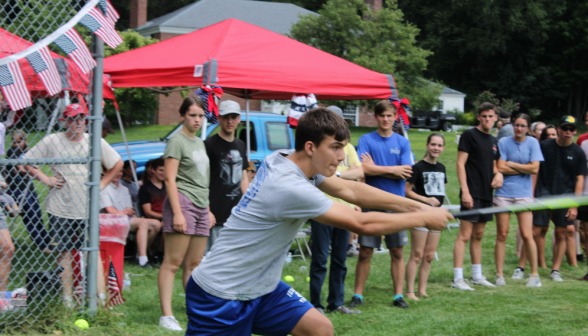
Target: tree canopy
{"x": 381, "y": 41}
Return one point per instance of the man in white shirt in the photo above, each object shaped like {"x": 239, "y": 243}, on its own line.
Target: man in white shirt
{"x": 115, "y": 199}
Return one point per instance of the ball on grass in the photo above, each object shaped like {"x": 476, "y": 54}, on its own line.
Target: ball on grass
{"x": 82, "y": 324}
{"x": 289, "y": 278}
{"x": 307, "y": 279}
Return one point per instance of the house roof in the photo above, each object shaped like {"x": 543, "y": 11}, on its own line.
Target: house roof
{"x": 447, "y": 90}
{"x": 275, "y": 16}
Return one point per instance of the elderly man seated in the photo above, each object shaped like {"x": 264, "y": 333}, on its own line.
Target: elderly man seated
{"x": 115, "y": 199}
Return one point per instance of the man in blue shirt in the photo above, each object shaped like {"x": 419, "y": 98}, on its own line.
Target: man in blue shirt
{"x": 387, "y": 163}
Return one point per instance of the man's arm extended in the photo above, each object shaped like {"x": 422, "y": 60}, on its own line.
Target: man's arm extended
{"x": 379, "y": 223}
{"x": 366, "y": 196}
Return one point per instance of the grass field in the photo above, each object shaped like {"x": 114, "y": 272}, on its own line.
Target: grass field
{"x": 556, "y": 308}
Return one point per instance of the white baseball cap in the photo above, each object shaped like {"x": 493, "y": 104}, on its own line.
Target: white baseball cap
{"x": 229, "y": 107}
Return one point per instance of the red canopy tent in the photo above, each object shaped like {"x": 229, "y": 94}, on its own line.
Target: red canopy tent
{"x": 247, "y": 61}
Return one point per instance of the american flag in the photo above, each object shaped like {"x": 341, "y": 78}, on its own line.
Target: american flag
{"x": 111, "y": 13}
{"x": 45, "y": 68}
{"x": 102, "y": 27}
{"x": 72, "y": 44}
{"x": 114, "y": 294}
{"x": 14, "y": 87}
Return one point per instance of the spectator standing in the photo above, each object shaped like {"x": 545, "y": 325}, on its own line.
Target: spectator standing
{"x": 562, "y": 172}
{"x": 66, "y": 202}
{"x": 498, "y": 127}
{"x": 506, "y": 130}
{"x": 106, "y": 128}
{"x": 20, "y": 186}
{"x": 520, "y": 157}
{"x": 549, "y": 132}
{"x": 478, "y": 176}
{"x": 186, "y": 217}
{"x": 152, "y": 193}
{"x": 426, "y": 185}
{"x": 536, "y": 129}
{"x": 228, "y": 167}
{"x": 115, "y": 199}
{"x": 325, "y": 236}
{"x": 387, "y": 163}
{"x": 128, "y": 181}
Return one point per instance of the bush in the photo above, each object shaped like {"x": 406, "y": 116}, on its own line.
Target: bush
{"x": 466, "y": 119}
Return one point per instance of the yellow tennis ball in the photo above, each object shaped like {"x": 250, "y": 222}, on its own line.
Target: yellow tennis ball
{"x": 289, "y": 278}
{"x": 82, "y": 324}
{"x": 307, "y": 279}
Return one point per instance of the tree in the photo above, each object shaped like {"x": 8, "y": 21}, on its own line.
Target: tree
{"x": 497, "y": 45}
{"x": 380, "y": 41}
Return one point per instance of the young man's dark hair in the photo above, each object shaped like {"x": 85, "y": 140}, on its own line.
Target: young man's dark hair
{"x": 486, "y": 107}
{"x": 189, "y": 101}
{"x": 384, "y": 105}
{"x": 316, "y": 124}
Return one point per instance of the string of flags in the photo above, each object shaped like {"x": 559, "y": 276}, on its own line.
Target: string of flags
{"x": 12, "y": 81}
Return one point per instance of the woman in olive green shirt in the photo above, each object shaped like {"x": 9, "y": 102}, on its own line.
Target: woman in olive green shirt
{"x": 186, "y": 218}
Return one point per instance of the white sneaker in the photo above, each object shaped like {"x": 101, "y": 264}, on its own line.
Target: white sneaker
{"x": 500, "y": 280}
{"x": 483, "y": 282}
{"x": 555, "y": 276}
{"x": 518, "y": 274}
{"x": 534, "y": 281}
{"x": 461, "y": 284}
{"x": 170, "y": 323}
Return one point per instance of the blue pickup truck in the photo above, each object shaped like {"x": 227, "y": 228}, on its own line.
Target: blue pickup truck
{"x": 269, "y": 132}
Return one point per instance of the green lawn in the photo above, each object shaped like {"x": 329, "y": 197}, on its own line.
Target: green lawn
{"x": 556, "y": 308}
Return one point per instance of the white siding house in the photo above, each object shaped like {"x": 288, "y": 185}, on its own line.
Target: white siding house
{"x": 450, "y": 100}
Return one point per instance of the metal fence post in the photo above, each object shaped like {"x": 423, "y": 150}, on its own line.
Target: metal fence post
{"x": 95, "y": 171}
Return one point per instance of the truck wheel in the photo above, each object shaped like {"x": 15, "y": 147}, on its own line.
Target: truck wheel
{"x": 447, "y": 127}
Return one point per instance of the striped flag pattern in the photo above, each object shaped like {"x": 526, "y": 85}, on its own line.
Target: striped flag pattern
{"x": 14, "y": 87}
{"x": 111, "y": 13}
{"x": 114, "y": 294}
{"x": 45, "y": 68}
{"x": 72, "y": 44}
{"x": 102, "y": 27}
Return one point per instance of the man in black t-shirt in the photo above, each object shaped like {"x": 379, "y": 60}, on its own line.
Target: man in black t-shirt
{"x": 152, "y": 193}
{"x": 228, "y": 167}
{"x": 478, "y": 176}
{"x": 562, "y": 172}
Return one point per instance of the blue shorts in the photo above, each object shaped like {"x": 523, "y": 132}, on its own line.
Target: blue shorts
{"x": 275, "y": 313}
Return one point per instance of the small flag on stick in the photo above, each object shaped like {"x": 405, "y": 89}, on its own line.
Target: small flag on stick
{"x": 14, "y": 87}
{"x": 114, "y": 295}
{"x": 72, "y": 44}
{"x": 102, "y": 27}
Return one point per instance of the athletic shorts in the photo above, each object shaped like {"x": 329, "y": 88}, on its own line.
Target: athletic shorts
{"x": 275, "y": 313}
{"x": 583, "y": 214}
{"x": 398, "y": 239}
{"x": 197, "y": 219}
{"x": 66, "y": 234}
{"x": 558, "y": 217}
{"x": 506, "y": 201}
{"x": 424, "y": 229}
{"x": 478, "y": 204}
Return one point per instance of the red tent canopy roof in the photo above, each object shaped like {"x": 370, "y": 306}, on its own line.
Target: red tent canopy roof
{"x": 12, "y": 44}
{"x": 247, "y": 57}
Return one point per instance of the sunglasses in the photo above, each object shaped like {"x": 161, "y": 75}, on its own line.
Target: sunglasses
{"x": 568, "y": 129}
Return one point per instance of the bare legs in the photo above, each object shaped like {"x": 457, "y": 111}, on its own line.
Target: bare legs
{"x": 362, "y": 270}
{"x": 183, "y": 250}
{"x": 147, "y": 230}
{"x": 6, "y": 254}
{"x": 423, "y": 247}
{"x": 468, "y": 230}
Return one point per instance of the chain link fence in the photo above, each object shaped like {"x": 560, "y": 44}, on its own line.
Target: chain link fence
{"x": 45, "y": 164}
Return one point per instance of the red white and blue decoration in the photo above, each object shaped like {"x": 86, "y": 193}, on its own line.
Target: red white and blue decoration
{"x": 402, "y": 109}
{"x": 301, "y": 103}
{"x": 69, "y": 41}
{"x": 45, "y": 68}
{"x": 14, "y": 87}
{"x": 210, "y": 95}
{"x": 114, "y": 294}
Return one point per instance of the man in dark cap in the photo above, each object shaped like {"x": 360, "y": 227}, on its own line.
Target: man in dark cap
{"x": 106, "y": 128}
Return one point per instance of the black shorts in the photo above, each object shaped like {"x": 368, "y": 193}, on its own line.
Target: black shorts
{"x": 478, "y": 204}
{"x": 583, "y": 214}
{"x": 558, "y": 217}
{"x": 67, "y": 234}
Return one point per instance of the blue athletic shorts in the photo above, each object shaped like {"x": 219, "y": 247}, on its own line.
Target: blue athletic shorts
{"x": 275, "y": 313}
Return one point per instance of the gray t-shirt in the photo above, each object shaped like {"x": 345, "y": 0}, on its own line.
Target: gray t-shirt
{"x": 506, "y": 131}
{"x": 246, "y": 260}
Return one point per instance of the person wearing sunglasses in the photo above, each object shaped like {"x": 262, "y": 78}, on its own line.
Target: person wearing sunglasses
{"x": 562, "y": 172}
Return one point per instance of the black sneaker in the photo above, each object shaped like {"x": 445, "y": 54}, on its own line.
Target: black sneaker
{"x": 344, "y": 310}
{"x": 355, "y": 301}
{"x": 580, "y": 258}
{"x": 400, "y": 303}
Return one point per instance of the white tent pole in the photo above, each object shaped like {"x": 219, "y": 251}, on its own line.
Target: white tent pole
{"x": 122, "y": 131}
{"x": 247, "y": 125}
